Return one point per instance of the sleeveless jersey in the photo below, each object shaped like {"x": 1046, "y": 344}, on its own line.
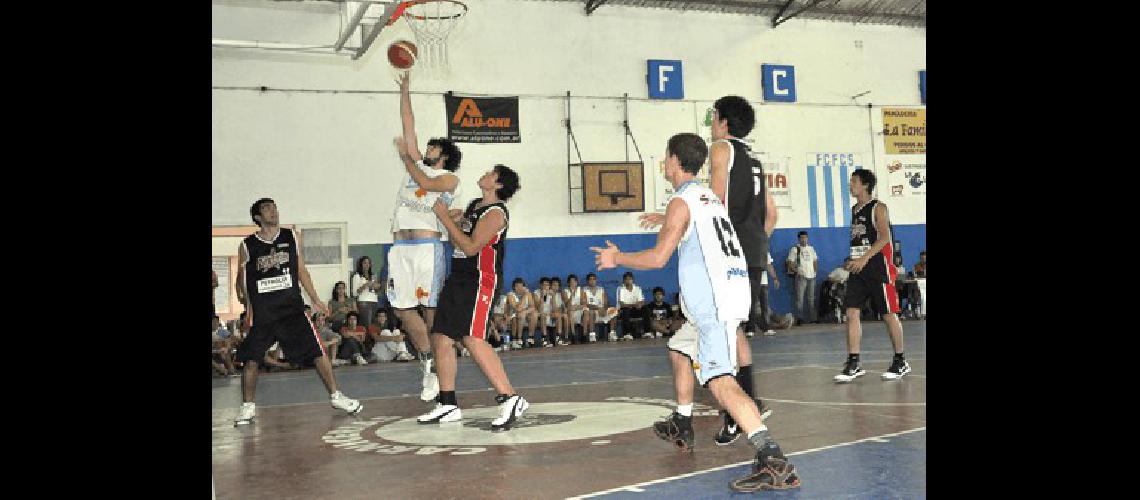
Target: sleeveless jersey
{"x": 414, "y": 204}
{"x": 595, "y": 297}
{"x": 744, "y": 199}
{"x": 272, "y": 284}
{"x": 575, "y": 297}
{"x": 864, "y": 233}
{"x": 525, "y": 301}
{"x": 711, "y": 268}
{"x": 489, "y": 260}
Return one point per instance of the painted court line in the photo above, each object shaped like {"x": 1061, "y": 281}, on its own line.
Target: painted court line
{"x": 632, "y": 379}
{"x": 637, "y": 488}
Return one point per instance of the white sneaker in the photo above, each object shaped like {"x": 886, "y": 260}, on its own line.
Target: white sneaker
{"x": 360, "y": 360}
{"x": 658, "y": 334}
{"x": 339, "y": 362}
{"x": 441, "y": 413}
{"x": 466, "y": 353}
{"x": 749, "y": 334}
{"x": 430, "y": 383}
{"x": 770, "y": 333}
{"x": 509, "y": 412}
{"x": 612, "y": 337}
{"x": 245, "y": 414}
{"x": 341, "y": 402}
{"x": 404, "y": 356}
{"x": 593, "y": 337}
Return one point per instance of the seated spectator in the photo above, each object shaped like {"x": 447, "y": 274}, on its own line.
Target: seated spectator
{"x": 329, "y": 339}
{"x": 599, "y": 304}
{"x": 630, "y": 303}
{"x": 579, "y": 318}
{"x": 523, "y": 313}
{"x": 660, "y": 315}
{"x": 545, "y": 305}
{"x": 223, "y": 343}
{"x": 920, "y": 268}
{"x": 340, "y": 305}
{"x": 388, "y": 342}
{"x": 352, "y": 340}
{"x": 557, "y": 316}
{"x": 499, "y": 327}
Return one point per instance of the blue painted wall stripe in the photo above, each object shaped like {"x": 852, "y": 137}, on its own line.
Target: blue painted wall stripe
{"x": 844, "y": 180}
{"x": 829, "y": 195}
{"x": 812, "y": 199}
{"x": 531, "y": 258}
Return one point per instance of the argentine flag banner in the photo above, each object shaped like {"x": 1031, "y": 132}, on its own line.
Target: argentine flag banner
{"x": 829, "y": 196}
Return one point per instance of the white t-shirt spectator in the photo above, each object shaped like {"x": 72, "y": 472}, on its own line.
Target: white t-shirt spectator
{"x": 805, "y": 266}
{"x": 630, "y": 296}
{"x": 367, "y": 295}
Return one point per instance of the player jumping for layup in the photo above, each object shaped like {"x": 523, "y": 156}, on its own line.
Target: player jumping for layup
{"x": 478, "y": 235}
{"x": 715, "y": 296}
{"x": 416, "y": 263}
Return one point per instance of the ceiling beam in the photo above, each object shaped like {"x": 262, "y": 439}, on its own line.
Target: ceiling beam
{"x": 776, "y": 21}
{"x": 592, "y": 5}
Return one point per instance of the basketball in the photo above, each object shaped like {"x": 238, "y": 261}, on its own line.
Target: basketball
{"x": 402, "y": 54}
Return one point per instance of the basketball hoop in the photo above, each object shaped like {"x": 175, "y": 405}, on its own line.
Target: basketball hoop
{"x": 431, "y": 21}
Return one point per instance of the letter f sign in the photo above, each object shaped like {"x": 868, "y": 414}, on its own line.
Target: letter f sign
{"x": 665, "y": 80}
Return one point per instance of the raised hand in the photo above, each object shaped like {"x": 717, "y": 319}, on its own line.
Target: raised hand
{"x": 606, "y": 258}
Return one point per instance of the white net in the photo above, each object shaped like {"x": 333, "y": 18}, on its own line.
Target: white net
{"x": 432, "y": 21}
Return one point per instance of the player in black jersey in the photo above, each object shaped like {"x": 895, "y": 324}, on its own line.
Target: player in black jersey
{"x": 269, "y": 278}
{"x": 465, "y": 303}
{"x": 872, "y": 277}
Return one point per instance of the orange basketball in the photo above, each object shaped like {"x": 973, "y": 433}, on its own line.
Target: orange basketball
{"x": 402, "y": 54}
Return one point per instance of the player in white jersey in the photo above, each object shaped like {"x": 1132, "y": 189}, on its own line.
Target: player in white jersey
{"x": 416, "y": 263}
{"x": 576, "y": 311}
{"x": 715, "y": 297}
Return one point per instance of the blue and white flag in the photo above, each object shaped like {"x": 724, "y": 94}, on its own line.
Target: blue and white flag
{"x": 829, "y": 196}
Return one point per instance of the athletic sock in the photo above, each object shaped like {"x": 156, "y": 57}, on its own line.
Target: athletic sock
{"x": 685, "y": 410}
{"x": 447, "y": 398}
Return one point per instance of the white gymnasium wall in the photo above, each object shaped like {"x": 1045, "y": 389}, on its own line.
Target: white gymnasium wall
{"x": 328, "y": 157}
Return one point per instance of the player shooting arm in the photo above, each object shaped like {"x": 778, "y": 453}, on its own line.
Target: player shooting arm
{"x": 676, "y": 220}
{"x": 488, "y": 226}
{"x": 409, "y": 121}
{"x": 442, "y": 184}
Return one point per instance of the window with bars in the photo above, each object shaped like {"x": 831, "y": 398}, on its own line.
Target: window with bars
{"x": 222, "y": 292}
{"x": 321, "y": 246}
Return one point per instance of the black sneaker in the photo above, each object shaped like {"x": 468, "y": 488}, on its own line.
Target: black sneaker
{"x": 677, "y": 429}
{"x": 768, "y": 473}
{"x": 730, "y": 432}
{"x": 899, "y": 367}
{"x": 851, "y": 371}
